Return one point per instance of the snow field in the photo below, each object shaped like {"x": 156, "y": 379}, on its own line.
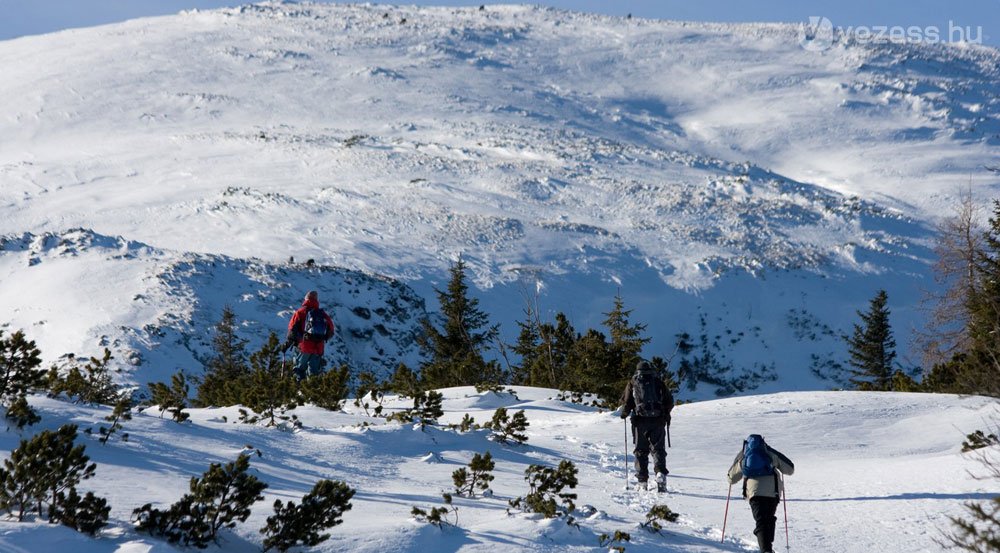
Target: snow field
{"x": 874, "y": 472}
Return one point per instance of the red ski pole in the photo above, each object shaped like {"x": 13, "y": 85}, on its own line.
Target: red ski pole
{"x": 726, "y": 516}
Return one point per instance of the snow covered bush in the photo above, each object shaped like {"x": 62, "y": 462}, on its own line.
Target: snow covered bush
{"x": 614, "y": 542}
{"x": 547, "y": 485}
{"x": 477, "y": 477}
{"x": 45, "y": 471}
{"x": 507, "y": 429}
{"x": 303, "y": 524}
{"x": 219, "y": 499}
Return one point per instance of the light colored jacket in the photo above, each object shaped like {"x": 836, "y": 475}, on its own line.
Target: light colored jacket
{"x": 764, "y": 486}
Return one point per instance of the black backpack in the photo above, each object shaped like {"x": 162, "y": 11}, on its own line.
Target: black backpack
{"x": 648, "y": 393}
{"x": 315, "y": 327}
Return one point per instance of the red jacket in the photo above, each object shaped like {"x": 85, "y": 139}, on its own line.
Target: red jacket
{"x": 296, "y": 328}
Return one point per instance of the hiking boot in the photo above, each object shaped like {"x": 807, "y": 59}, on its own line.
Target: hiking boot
{"x": 661, "y": 482}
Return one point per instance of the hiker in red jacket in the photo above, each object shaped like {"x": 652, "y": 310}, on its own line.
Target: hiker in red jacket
{"x": 310, "y": 328}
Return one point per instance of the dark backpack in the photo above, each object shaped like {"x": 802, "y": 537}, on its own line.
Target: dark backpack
{"x": 315, "y": 327}
{"x": 756, "y": 460}
{"x": 648, "y": 394}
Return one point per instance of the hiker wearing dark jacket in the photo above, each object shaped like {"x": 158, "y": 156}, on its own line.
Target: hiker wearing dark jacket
{"x": 649, "y": 402}
{"x": 309, "y": 318}
{"x": 764, "y": 490}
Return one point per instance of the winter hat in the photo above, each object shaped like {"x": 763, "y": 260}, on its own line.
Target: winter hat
{"x": 312, "y": 295}
{"x": 644, "y": 367}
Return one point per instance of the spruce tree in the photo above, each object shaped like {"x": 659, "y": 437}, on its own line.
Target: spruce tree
{"x": 227, "y": 366}
{"x": 304, "y": 524}
{"x": 625, "y": 346}
{"x": 980, "y": 368}
{"x": 872, "y": 347}
{"x": 456, "y": 349}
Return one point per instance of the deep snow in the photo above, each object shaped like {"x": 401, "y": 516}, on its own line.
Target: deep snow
{"x": 874, "y": 472}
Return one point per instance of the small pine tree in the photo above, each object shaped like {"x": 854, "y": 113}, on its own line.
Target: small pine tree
{"x": 304, "y": 524}
{"x": 547, "y": 485}
{"x": 121, "y": 412}
{"x": 327, "y": 390}
{"x": 171, "y": 398}
{"x": 657, "y": 516}
{"x": 614, "y": 542}
{"x": 477, "y": 477}
{"x": 87, "y": 514}
{"x": 89, "y": 383}
{"x": 19, "y": 375}
{"x": 369, "y": 386}
{"x": 21, "y": 414}
{"x": 219, "y": 499}
{"x": 468, "y": 423}
{"x": 404, "y": 382}
{"x": 438, "y": 516}
{"x": 872, "y": 347}
{"x": 427, "y": 407}
{"x": 41, "y": 469}
{"x": 508, "y": 429}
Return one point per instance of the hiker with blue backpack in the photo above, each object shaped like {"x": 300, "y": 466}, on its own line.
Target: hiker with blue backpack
{"x": 649, "y": 403}
{"x": 761, "y": 468}
{"x": 309, "y": 328}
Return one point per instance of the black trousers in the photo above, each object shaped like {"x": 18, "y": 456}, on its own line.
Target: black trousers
{"x": 763, "y": 509}
{"x": 649, "y": 434}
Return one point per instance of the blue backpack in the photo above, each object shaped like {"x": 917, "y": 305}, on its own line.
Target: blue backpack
{"x": 315, "y": 327}
{"x": 756, "y": 461}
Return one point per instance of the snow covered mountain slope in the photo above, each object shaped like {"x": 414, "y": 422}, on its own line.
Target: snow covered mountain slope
{"x": 873, "y": 472}
{"x": 155, "y": 309}
{"x": 726, "y": 180}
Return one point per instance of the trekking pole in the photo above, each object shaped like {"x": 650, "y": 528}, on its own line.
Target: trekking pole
{"x": 784, "y": 500}
{"x": 725, "y": 517}
{"x": 668, "y": 435}
{"x": 626, "y": 453}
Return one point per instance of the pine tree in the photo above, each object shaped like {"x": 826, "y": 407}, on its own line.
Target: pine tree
{"x": 547, "y": 485}
{"x": 121, "y": 412}
{"x": 456, "y": 350}
{"x": 327, "y": 390}
{"x": 980, "y": 368}
{"x": 624, "y": 349}
{"x": 228, "y": 365}
{"x": 477, "y": 477}
{"x": 404, "y": 382}
{"x": 87, "y": 514}
{"x": 304, "y": 524}
{"x": 19, "y": 375}
{"x": 171, "y": 398}
{"x": 219, "y": 499}
{"x": 545, "y": 349}
{"x": 507, "y": 429}
{"x": 42, "y": 468}
{"x": 872, "y": 347}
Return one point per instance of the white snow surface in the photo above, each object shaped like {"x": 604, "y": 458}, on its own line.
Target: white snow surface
{"x": 728, "y": 182}
{"x": 873, "y": 472}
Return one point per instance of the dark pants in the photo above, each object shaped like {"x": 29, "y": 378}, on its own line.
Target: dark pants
{"x": 649, "y": 433}
{"x": 763, "y": 514}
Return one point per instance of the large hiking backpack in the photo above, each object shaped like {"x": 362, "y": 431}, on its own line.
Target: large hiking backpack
{"x": 756, "y": 460}
{"x": 315, "y": 327}
{"x": 647, "y": 391}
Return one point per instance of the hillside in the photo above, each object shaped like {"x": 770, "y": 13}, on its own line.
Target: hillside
{"x": 729, "y": 183}
{"x": 874, "y": 472}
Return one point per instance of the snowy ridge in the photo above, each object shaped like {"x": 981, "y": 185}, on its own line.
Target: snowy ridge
{"x": 163, "y": 304}
{"x": 716, "y": 173}
{"x": 859, "y": 458}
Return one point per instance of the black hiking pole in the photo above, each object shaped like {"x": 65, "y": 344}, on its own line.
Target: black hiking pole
{"x": 784, "y": 500}
{"x": 668, "y": 435}
{"x": 725, "y": 517}
{"x": 626, "y": 453}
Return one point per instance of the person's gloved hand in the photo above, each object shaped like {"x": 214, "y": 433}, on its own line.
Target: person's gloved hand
{"x": 623, "y": 415}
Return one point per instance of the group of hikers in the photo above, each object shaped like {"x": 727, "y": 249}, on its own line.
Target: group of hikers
{"x": 646, "y": 400}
